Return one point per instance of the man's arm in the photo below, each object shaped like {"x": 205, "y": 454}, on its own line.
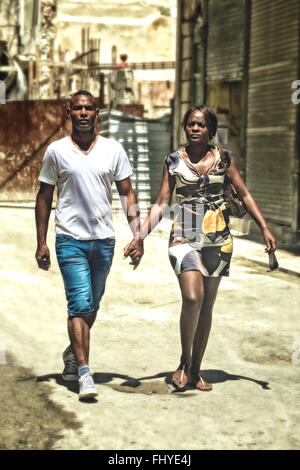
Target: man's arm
{"x": 131, "y": 209}
{"x": 42, "y": 213}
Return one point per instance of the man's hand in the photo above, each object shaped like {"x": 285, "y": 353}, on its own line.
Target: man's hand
{"x": 42, "y": 257}
{"x": 134, "y": 249}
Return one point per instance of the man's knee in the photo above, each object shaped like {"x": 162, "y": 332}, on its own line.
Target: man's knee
{"x": 90, "y": 318}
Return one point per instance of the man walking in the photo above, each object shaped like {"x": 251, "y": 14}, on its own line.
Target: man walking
{"x": 84, "y": 165}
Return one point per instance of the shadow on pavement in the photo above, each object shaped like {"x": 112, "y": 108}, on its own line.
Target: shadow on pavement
{"x": 217, "y": 376}
{"x": 99, "y": 378}
{"x": 152, "y": 386}
{"x": 212, "y": 376}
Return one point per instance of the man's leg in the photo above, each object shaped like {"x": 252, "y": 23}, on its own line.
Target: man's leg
{"x": 84, "y": 266}
{"x": 79, "y": 334}
{"x": 70, "y": 373}
{"x": 100, "y": 259}
{"x": 72, "y": 256}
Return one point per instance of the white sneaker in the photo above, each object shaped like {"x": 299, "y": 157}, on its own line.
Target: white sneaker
{"x": 87, "y": 387}
{"x": 70, "y": 372}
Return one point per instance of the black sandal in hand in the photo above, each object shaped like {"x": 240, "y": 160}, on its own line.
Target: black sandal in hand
{"x": 273, "y": 263}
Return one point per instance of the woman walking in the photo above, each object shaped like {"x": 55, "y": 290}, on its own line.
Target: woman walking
{"x": 200, "y": 244}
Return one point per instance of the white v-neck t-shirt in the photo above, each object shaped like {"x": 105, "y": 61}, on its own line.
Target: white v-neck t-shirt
{"x": 84, "y": 185}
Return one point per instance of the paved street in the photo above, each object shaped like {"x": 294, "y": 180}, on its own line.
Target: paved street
{"x": 252, "y": 359}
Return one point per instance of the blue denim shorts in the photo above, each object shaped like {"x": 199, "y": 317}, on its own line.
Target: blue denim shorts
{"x": 84, "y": 266}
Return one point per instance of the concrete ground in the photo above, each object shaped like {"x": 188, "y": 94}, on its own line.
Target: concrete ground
{"x": 252, "y": 359}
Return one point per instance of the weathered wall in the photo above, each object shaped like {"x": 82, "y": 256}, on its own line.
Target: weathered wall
{"x": 136, "y": 110}
{"x": 155, "y": 95}
{"x": 32, "y": 126}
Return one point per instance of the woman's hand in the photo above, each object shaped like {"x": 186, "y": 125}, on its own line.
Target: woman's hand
{"x": 269, "y": 239}
{"x": 134, "y": 249}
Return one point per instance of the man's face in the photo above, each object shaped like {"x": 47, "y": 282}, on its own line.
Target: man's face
{"x": 83, "y": 113}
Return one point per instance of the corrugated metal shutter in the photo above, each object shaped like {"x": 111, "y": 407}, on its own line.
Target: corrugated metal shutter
{"x": 147, "y": 142}
{"x": 225, "y": 42}
{"x": 273, "y": 65}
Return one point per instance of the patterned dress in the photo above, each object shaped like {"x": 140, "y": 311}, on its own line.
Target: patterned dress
{"x": 200, "y": 238}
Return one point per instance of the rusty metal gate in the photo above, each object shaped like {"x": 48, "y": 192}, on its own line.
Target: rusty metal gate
{"x": 225, "y": 41}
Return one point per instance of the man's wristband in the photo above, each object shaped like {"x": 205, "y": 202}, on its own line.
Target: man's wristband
{"x": 264, "y": 226}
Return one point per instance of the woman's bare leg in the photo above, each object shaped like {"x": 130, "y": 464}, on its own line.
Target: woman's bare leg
{"x": 202, "y": 332}
{"x": 192, "y": 292}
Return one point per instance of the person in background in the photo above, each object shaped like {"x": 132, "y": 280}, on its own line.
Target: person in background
{"x": 123, "y": 62}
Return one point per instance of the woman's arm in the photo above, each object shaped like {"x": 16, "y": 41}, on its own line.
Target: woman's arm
{"x": 251, "y": 205}
{"x": 161, "y": 204}
{"x": 131, "y": 209}
{"x": 157, "y": 210}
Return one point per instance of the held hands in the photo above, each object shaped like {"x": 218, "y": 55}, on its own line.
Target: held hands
{"x": 134, "y": 249}
{"x": 42, "y": 257}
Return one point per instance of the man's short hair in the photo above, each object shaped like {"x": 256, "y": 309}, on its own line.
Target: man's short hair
{"x": 81, "y": 92}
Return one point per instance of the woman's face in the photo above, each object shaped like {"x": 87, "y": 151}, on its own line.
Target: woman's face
{"x": 196, "y": 129}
